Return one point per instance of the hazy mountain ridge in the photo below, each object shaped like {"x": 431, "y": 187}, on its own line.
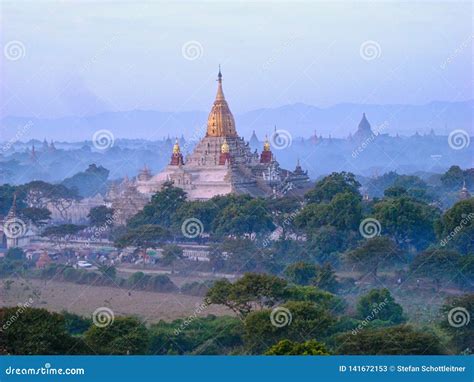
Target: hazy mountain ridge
{"x": 299, "y": 119}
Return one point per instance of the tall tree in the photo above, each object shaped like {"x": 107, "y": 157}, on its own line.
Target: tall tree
{"x": 374, "y": 253}
{"x": 344, "y": 212}
{"x": 123, "y": 336}
{"x": 35, "y": 331}
{"x": 251, "y": 291}
{"x": 294, "y": 320}
{"x": 244, "y": 215}
{"x": 301, "y": 273}
{"x": 455, "y": 229}
{"x": 101, "y": 216}
{"x": 379, "y": 304}
{"x": 336, "y": 183}
{"x": 37, "y": 216}
{"x": 407, "y": 220}
{"x": 162, "y": 208}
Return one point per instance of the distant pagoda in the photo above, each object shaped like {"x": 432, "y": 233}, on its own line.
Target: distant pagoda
{"x": 364, "y": 130}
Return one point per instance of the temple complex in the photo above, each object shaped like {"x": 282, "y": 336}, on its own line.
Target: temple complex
{"x": 222, "y": 163}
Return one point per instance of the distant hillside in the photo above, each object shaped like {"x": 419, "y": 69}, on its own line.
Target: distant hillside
{"x": 299, "y": 119}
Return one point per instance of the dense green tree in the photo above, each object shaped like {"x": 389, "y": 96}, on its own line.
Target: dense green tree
{"x": 396, "y": 340}
{"x": 379, "y": 304}
{"x": 440, "y": 265}
{"x": 101, "y": 216}
{"x": 245, "y": 215}
{"x": 457, "y": 321}
{"x": 326, "y": 278}
{"x": 315, "y": 295}
{"x": 15, "y": 254}
{"x": 287, "y": 347}
{"x": 453, "y": 178}
{"x": 35, "y": 331}
{"x": 204, "y": 211}
{"x": 395, "y": 192}
{"x": 37, "y": 216}
{"x": 247, "y": 293}
{"x": 407, "y": 220}
{"x": 344, "y": 212}
{"x": 125, "y": 335}
{"x": 465, "y": 277}
{"x": 60, "y": 233}
{"x": 197, "y": 335}
{"x": 329, "y": 186}
{"x": 392, "y": 184}
{"x": 295, "y": 321}
{"x": 374, "y": 253}
{"x": 6, "y": 198}
{"x": 325, "y": 243}
{"x": 455, "y": 229}
{"x": 146, "y": 236}
{"x": 39, "y": 194}
{"x": 162, "y": 208}
{"x": 301, "y": 273}
{"x": 75, "y": 324}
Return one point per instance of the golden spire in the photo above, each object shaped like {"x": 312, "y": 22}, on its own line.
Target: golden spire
{"x": 176, "y": 147}
{"x": 266, "y": 145}
{"x": 225, "y": 147}
{"x": 221, "y": 121}
{"x": 220, "y": 93}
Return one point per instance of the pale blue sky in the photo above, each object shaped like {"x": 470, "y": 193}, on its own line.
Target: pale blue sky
{"x": 89, "y": 57}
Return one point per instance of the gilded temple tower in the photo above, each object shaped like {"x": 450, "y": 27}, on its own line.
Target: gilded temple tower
{"x": 221, "y": 121}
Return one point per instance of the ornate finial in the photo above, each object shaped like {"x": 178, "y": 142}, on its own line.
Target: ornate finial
{"x": 225, "y": 147}
{"x": 219, "y": 75}
{"x": 176, "y": 149}
{"x": 266, "y": 145}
